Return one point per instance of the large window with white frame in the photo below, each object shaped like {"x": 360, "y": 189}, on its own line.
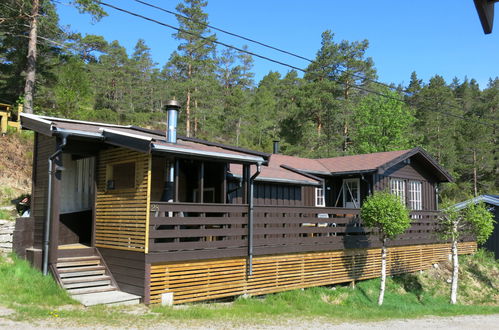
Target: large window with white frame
{"x": 397, "y": 187}
{"x": 415, "y": 195}
{"x": 319, "y": 197}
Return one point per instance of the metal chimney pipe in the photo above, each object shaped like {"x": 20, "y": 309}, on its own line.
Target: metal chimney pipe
{"x": 276, "y": 147}
{"x": 172, "y": 108}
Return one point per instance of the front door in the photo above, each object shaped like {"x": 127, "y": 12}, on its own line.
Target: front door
{"x": 351, "y": 193}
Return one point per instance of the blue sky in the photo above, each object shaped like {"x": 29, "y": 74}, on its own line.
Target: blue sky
{"x": 430, "y": 37}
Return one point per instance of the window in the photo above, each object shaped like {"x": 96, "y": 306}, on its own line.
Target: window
{"x": 397, "y": 187}
{"x": 121, "y": 176}
{"x": 415, "y": 196}
{"x": 319, "y": 197}
{"x": 351, "y": 193}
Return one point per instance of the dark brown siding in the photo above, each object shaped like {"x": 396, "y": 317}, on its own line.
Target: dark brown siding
{"x": 412, "y": 171}
{"x": 128, "y": 269}
{"x": 276, "y": 194}
{"x": 44, "y": 147}
{"x": 492, "y": 243}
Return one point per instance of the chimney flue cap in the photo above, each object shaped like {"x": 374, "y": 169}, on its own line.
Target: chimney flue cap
{"x": 172, "y": 104}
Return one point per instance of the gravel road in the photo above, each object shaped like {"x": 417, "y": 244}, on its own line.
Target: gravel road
{"x": 482, "y": 322}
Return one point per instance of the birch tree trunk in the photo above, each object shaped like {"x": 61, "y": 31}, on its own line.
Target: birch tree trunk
{"x": 383, "y": 274}
{"x": 455, "y": 273}
{"x": 31, "y": 64}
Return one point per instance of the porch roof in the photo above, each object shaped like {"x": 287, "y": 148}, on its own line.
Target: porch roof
{"x": 140, "y": 139}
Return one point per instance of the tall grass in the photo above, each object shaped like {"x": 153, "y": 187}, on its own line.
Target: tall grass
{"x": 20, "y": 284}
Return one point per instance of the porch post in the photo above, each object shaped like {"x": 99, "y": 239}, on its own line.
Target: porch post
{"x": 201, "y": 183}
{"x": 55, "y": 210}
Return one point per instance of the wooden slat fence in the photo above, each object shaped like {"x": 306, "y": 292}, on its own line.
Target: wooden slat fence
{"x": 200, "y": 280}
{"x": 214, "y": 229}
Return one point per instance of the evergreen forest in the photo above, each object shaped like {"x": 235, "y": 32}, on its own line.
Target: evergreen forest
{"x": 336, "y": 107}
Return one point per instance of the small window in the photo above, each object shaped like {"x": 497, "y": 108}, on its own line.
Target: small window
{"x": 397, "y": 187}
{"x": 121, "y": 176}
{"x": 319, "y": 197}
{"x": 415, "y": 195}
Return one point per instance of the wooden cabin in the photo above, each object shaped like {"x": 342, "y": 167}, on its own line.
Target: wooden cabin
{"x": 174, "y": 219}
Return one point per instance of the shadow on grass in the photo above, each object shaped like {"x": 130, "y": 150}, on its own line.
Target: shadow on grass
{"x": 481, "y": 276}
{"x": 411, "y": 284}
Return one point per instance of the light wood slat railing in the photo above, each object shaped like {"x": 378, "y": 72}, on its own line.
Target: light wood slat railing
{"x": 220, "y": 230}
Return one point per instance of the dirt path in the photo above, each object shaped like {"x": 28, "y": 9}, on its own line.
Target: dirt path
{"x": 482, "y": 322}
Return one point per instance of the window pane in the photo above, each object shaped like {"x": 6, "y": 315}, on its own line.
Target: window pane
{"x": 124, "y": 175}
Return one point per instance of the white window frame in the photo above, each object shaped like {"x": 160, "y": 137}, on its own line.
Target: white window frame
{"x": 320, "y": 198}
{"x": 415, "y": 195}
{"x": 397, "y": 187}
{"x": 346, "y": 192}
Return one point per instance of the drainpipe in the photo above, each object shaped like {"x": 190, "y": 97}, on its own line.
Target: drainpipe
{"x": 250, "y": 219}
{"x": 48, "y": 218}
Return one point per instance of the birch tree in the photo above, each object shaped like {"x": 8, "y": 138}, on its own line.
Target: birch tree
{"x": 389, "y": 215}
{"x": 454, "y": 224}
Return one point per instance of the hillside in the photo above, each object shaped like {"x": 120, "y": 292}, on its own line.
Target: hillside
{"x": 15, "y": 165}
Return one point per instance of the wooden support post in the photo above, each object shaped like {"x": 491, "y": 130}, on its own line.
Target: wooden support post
{"x": 55, "y": 214}
{"x": 201, "y": 183}
{"x": 177, "y": 176}
{"x": 224, "y": 185}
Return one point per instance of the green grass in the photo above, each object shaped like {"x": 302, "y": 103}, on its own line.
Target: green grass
{"x": 34, "y": 297}
{"x": 7, "y": 215}
{"x": 21, "y": 285}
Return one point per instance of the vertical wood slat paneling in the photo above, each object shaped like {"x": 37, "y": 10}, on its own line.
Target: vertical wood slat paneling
{"x": 211, "y": 279}
{"x": 122, "y": 214}
{"x": 45, "y": 146}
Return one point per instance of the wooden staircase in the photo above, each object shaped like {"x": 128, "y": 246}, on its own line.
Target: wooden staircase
{"x": 84, "y": 274}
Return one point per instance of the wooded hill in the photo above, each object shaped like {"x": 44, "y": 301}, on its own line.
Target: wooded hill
{"x": 334, "y": 108}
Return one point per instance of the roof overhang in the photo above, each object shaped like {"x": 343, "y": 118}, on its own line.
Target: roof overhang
{"x": 439, "y": 172}
{"x": 207, "y": 154}
{"x": 279, "y": 180}
{"x": 111, "y": 134}
{"x": 488, "y": 199}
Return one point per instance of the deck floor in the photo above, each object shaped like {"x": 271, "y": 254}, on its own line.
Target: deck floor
{"x": 73, "y": 246}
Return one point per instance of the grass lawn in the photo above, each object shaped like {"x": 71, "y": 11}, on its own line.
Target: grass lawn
{"x": 35, "y": 297}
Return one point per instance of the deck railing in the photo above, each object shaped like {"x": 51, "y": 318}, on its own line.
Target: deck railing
{"x": 194, "y": 231}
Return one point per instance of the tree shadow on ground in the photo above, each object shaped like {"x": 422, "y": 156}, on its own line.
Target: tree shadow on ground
{"x": 411, "y": 284}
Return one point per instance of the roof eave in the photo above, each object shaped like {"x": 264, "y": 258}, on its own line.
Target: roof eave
{"x": 208, "y": 154}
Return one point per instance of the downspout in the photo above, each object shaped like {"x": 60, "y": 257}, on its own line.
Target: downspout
{"x": 48, "y": 218}
{"x": 250, "y": 219}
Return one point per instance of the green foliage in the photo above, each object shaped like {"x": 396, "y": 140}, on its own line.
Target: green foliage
{"x": 381, "y": 124}
{"x": 387, "y": 213}
{"x": 474, "y": 219}
{"x": 481, "y": 221}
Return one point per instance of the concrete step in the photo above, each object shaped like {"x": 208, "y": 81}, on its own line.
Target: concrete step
{"x": 81, "y": 271}
{"x": 85, "y": 279}
{"x": 108, "y": 298}
{"x": 86, "y": 284}
{"x": 80, "y": 291}
{"x": 77, "y": 263}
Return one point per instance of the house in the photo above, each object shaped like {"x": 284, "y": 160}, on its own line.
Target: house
{"x": 492, "y": 203}
{"x": 172, "y": 219}
{"x": 346, "y": 181}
